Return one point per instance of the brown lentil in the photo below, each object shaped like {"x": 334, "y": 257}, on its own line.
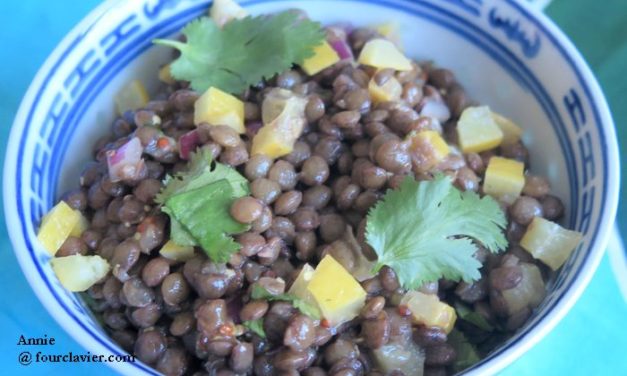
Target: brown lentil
{"x": 283, "y": 173}
{"x": 155, "y": 271}
{"x": 246, "y": 209}
{"x": 187, "y": 316}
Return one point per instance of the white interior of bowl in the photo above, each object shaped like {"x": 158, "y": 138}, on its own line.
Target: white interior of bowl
{"x": 449, "y": 33}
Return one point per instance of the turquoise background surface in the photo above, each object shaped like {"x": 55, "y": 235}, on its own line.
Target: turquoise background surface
{"x": 591, "y": 339}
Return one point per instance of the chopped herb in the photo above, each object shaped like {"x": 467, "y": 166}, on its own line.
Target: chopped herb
{"x": 467, "y": 354}
{"x": 305, "y": 308}
{"x": 200, "y": 172}
{"x": 244, "y": 52}
{"x": 468, "y": 315}
{"x": 255, "y": 326}
{"x": 198, "y": 202}
{"x": 425, "y": 230}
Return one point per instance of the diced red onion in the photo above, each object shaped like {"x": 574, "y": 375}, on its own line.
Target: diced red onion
{"x": 126, "y": 163}
{"x": 435, "y": 109}
{"x": 337, "y": 38}
{"x": 188, "y": 143}
{"x": 346, "y": 27}
{"x": 342, "y": 48}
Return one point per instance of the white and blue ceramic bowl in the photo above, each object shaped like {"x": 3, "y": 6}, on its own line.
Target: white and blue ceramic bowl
{"x": 507, "y": 55}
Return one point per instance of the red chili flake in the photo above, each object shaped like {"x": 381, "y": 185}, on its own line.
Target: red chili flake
{"x": 325, "y": 323}
{"x": 163, "y": 143}
{"x": 404, "y": 310}
{"x": 226, "y": 330}
{"x": 143, "y": 226}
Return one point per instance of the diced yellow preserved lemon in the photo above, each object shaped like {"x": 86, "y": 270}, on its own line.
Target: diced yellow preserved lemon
{"x": 78, "y": 273}
{"x": 165, "y": 75}
{"x": 283, "y": 112}
{"x": 173, "y": 251}
{"x": 477, "y": 130}
{"x": 529, "y": 292}
{"x": 56, "y": 226}
{"x": 299, "y": 287}
{"x": 324, "y": 56}
{"x": 219, "y": 108}
{"x": 81, "y": 225}
{"x": 131, "y": 97}
{"x": 397, "y": 356}
{"x": 428, "y": 310}
{"x": 382, "y": 53}
{"x": 339, "y": 296}
{"x": 549, "y": 242}
{"x": 224, "y": 11}
{"x": 504, "y": 179}
{"x": 271, "y": 143}
{"x": 282, "y": 102}
{"x": 511, "y": 131}
{"x": 390, "y": 91}
{"x": 427, "y": 149}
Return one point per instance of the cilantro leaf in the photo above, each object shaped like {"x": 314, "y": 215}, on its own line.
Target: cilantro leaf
{"x": 468, "y": 315}
{"x": 467, "y": 354}
{"x": 178, "y": 233}
{"x": 304, "y": 307}
{"x": 204, "y": 213}
{"x": 200, "y": 172}
{"x": 244, "y": 52}
{"x": 423, "y": 231}
{"x": 198, "y": 200}
{"x": 256, "y": 326}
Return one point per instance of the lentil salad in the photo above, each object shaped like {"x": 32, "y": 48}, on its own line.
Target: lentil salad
{"x": 317, "y": 149}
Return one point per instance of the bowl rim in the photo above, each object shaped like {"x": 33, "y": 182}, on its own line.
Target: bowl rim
{"x": 532, "y": 336}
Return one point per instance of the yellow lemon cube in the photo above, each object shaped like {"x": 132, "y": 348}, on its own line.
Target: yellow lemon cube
{"x": 504, "y": 179}
{"x": 381, "y": 53}
{"x": 224, "y": 11}
{"x": 56, "y": 226}
{"x": 428, "y": 310}
{"x": 511, "y": 131}
{"x": 299, "y": 287}
{"x": 219, "y": 108}
{"x": 477, "y": 130}
{"x": 427, "y": 149}
{"x": 131, "y": 97}
{"x": 390, "y": 91}
{"x": 324, "y": 56}
{"x": 81, "y": 225}
{"x": 173, "y": 251}
{"x": 549, "y": 242}
{"x": 339, "y": 296}
{"x": 406, "y": 357}
{"x": 78, "y": 273}
{"x": 271, "y": 143}
{"x": 528, "y": 293}
{"x": 165, "y": 75}
{"x": 284, "y": 116}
